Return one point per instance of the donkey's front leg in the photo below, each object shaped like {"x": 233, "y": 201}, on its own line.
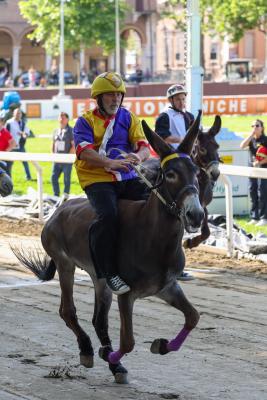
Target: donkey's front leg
{"x": 125, "y": 302}
{"x": 190, "y": 243}
{"x": 174, "y": 296}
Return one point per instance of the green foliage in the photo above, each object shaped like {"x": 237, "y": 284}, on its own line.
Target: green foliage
{"x": 233, "y": 17}
{"x": 87, "y": 22}
{"x": 227, "y": 17}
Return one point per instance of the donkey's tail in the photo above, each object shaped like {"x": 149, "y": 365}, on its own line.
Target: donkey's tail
{"x": 37, "y": 262}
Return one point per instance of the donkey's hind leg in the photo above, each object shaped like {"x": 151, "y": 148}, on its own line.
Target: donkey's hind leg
{"x": 67, "y": 311}
{"x": 174, "y": 296}
{"x": 103, "y": 300}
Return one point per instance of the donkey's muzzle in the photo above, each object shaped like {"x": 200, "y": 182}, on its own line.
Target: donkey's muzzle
{"x": 193, "y": 213}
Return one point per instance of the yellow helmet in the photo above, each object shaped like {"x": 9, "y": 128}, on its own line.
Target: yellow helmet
{"x": 106, "y": 83}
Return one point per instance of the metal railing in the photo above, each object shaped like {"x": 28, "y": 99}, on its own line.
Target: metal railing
{"x": 226, "y": 171}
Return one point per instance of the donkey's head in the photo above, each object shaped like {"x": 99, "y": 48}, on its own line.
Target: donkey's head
{"x": 6, "y": 185}
{"x": 205, "y": 152}
{"x": 179, "y": 184}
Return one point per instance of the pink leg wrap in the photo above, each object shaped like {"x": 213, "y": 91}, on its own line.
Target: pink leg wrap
{"x": 177, "y": 342}
{"x": 115, "y": 356}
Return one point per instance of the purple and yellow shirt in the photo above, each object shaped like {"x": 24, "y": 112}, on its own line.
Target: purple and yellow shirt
{"x": 89, "y": 131}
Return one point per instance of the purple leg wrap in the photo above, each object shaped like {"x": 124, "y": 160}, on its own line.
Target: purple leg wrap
{"x": 177, "y": 342}
{"x": 115, "y": 356}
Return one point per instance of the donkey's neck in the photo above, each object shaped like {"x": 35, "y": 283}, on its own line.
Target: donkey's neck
{"x": 150, "y": 221}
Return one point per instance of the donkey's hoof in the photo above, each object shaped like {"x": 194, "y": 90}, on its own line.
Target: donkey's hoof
{"x": 159, "y": 346}
{"x": 87, "y": 361}
{"x": 187, "y": 244}
{"x": 104, "y": 352}
{"x": 121, "y": 378}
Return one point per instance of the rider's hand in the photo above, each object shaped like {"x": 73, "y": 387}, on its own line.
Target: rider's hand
{"x": 118, "y": 164}
{"x": 133, "y": 158}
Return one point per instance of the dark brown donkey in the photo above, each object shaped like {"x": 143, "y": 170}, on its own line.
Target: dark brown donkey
{"x": 205, "y": 155}
{"x": 150, "y": 254}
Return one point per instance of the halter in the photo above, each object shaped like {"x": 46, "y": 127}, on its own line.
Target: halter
{"x": 204, "y": 167}
{"x": 170, "y": 205}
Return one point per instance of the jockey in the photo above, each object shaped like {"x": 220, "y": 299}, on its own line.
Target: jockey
{"x": 100, "y": 136}
{"x": 174, "y": 121}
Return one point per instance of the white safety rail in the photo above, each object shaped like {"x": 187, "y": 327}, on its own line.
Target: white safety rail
{"x": 226, "y": 171}
{"x": 35, "y": 158}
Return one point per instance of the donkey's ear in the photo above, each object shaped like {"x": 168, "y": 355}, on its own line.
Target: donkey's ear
{"x": 156, "y": 142}
{"x": 189, "y": 140}
{"x": 216, "y": 127}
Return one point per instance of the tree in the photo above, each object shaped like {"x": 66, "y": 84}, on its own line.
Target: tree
{"x": 87, "y": 22}
{"x": 233, "y": 17}
{"x": 223, "y": 17}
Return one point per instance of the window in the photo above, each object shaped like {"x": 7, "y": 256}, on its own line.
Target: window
{"x": 139, "y": 5}
{"x": 214, "y": 51}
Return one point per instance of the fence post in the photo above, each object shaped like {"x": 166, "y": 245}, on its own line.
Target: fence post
{"x": 229, "y": 213}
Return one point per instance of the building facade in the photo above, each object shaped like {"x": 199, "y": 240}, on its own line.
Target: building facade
{"x": 154, "y": 45}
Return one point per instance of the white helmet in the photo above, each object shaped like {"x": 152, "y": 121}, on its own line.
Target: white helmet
{"x": 175, "y": 89}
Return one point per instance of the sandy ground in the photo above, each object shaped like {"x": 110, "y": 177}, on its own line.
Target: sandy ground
{"x": 225, "y": 357}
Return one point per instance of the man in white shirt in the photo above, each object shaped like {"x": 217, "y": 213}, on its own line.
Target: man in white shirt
{"x": 172, "y": 125}
{"x": 19, "y": 131}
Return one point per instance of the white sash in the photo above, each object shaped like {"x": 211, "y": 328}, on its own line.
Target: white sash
{"x": 107, "y": 135}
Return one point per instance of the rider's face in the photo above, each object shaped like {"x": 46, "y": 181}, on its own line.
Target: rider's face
{"x": 111, "y": 102}
{"x": 178, "y": 101}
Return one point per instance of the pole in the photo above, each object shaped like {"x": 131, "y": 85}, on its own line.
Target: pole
{"x": 194, "y": 71}
{"x": 61, "y": 92}
{"x": 117, "y": 36}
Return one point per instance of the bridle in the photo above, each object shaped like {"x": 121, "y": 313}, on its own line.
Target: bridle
{"x": 168, "y": 201}
{"x": 207, "y": 168}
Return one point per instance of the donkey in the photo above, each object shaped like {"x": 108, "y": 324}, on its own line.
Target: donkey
{"x": 6, "y": 185}
{"x": 150, "y": 254}
{"x": 205, "y": 156}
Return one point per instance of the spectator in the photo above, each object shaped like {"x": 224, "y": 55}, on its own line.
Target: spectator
{"x": 54, "y": 73}
{"x": 172, "y": 125}
{"x": 19, "y": 131}
{"x": 9, "y": 82}
{"x": 257, "y": 187}
{"x": 139, "y": 74}
{"x": 7, "y": 143}
{"x": 20, "y": 82}
{"x": 43, "y": 82}
{"x": 32, "y": 77}
{"x": 62, "y": 143}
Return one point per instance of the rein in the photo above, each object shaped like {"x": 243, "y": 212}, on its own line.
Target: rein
{"x": 170, "y": 205}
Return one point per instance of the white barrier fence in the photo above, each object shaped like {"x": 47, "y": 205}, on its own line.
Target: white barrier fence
{"x": 226, "y": 171}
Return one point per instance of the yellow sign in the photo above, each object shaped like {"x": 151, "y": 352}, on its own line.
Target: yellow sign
{"x": 227, "y": 159}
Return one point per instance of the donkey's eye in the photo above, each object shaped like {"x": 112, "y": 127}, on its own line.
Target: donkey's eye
{"x": 203, "y": 151}
{"x": 171, "y": 176}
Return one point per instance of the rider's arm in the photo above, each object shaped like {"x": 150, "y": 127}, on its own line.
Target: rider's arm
{"x": 245, "y": 143}
{"x": 138, "y": 140}
{"x": 84, "y": 144}
{"x": 94, "y": 159}
{"x": 162, "y": 128}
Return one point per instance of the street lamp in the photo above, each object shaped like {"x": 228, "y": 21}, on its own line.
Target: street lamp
{"x": 61, "y": 93}
{"x": 117, "y": 37}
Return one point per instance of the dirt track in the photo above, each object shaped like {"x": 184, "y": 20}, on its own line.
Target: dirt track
{"x": 224, "y": 358}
